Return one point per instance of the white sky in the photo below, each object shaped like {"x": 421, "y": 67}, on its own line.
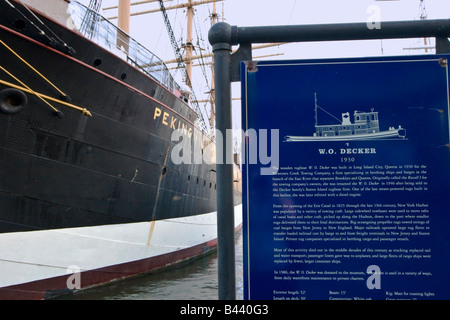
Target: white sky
{"x": 150, "y": 29}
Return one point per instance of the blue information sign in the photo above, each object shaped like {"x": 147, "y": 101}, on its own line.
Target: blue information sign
{"x": 347, "y": 179}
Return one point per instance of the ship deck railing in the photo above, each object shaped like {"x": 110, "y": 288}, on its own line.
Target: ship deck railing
{"x": 101, "y": 31}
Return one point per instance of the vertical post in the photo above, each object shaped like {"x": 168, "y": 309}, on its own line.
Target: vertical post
{"x": 123, "y": 23}
{"x": 189, "y": 44}
{"x": 124, "y": 15}
{"x": 225, "y": 193}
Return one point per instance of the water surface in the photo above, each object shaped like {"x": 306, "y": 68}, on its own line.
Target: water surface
{"x": 196, "y": 280}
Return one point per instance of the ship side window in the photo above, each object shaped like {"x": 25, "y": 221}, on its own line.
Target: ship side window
{"x": 97, "y": 62}
{"x": 19, "y": 24}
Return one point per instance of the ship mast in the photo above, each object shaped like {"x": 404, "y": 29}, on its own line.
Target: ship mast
{"x": 123, "y": 23}
{"x": 189, "y": 46}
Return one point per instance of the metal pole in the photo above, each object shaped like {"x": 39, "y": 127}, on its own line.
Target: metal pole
{"x": 225, "y": 192}
{"x": 342, "y": 31}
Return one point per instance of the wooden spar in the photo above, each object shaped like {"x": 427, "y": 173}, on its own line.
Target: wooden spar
{"x": 124, "y": 15}
{"x": 179, "y": 6}
{"x": 211, "y": 54}
{"x": 189, "y": 39}
{"x": 255, "y": 57}
{"x": 134, "y": 4}
{"x": 124, "y": 25}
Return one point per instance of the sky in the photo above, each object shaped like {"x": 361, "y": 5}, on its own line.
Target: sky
{"x": 151, "y": 31}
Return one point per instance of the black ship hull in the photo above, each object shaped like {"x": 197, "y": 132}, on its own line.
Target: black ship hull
{"x": 63, "y": 168}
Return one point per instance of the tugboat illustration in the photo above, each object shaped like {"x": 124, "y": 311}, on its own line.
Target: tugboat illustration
{"x": 365, "y": 127}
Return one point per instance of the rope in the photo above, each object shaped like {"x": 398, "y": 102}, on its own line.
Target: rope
{"x": 69, "y": 49}
{"x": 30, "y": 90}
{"x": 32, "y": 68}
{"x": 43, "y": 96}
{"x": 39, "y": 95}
{"x": 41, "y": 32}
{"x": 328, "y": 113}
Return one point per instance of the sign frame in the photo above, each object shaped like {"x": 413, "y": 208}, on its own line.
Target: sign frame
{"x": 260, "y": 89}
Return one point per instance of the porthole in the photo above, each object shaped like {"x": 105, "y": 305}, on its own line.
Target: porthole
{"x": 97, "y": 62}
{"x": 19, "y": 24}
{"x": 164, "y": 171}
{"x": 12, "y": 100}
{"x": 123, "y": 76}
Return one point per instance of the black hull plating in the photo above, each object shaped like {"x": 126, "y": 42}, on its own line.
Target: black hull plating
{"x": 75, "y": 171}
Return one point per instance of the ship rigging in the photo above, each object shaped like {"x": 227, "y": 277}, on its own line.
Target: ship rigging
{"x": 200, "y": 15}
{"x": 183, "y": 50}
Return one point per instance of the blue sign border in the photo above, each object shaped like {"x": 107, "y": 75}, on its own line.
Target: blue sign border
{"x": 406, "y": 93}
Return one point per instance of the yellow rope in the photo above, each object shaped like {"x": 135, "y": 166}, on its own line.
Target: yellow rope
{"x": 39, "y": 95}
{"x": 43, "y": 96}
{"x": 29, "y": 89}
{"x": 32, "y": 68}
